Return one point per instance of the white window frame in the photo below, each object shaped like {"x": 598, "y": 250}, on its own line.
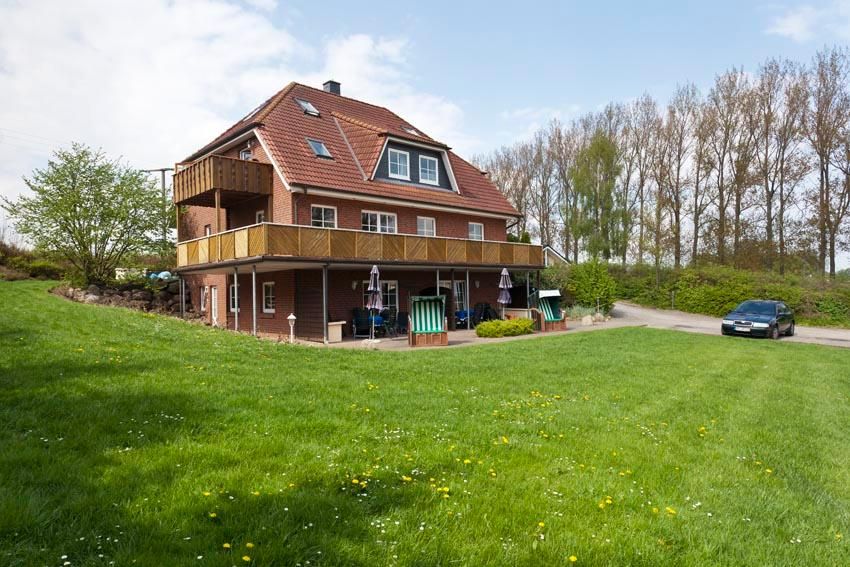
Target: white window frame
{"x": 390, "y": 152}
{"x": 246, "y": 154}
{"x": 260, "y": 216}
{"x": 419, "y": 231}
{"x": 231, "y": 294}
{"x": 204, "y": 292}
{"x": 267, "y": 286}
{"x": 378, "y": 221}
{"x": 384, "y": 294}
{"x": 312, "y": 221}
{"x": 207, "y": 230}
{"x": 436, "y": 180}
{"x": 469, "y": 229}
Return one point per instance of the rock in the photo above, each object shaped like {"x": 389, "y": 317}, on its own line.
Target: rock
{"x": 93, "y": 290}
{"x": 140, "y": 305}
{"x": 91, "y": 298}
{"x": 173, "y": 287}
{"x": 142, "y": 295}
{"x": 371, "y": 344}
{"x": 586, "y": 321}
{"x": 598, "y": 317}
{"x": 163, "y": 295}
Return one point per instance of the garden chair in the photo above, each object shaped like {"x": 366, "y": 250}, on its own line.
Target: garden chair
{"x": 360, "y": 325}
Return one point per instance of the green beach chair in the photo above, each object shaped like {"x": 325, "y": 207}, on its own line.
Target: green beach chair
{"x": 427, "y": 324}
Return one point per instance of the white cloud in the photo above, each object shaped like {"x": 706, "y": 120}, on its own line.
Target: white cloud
{"x": 153, "y": 81}
{"x": 805, "y": 23}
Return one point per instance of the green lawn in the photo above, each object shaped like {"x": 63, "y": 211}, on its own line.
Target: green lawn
{"x": 134, "y": 438}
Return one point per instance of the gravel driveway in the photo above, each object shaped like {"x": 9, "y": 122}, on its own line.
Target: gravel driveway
{"x": 631, "y": 314}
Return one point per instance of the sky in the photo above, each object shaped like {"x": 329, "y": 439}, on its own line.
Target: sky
{"x": 150, "y": 81}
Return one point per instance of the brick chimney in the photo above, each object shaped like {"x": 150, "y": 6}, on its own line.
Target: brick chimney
{"x": 332, "y": 87}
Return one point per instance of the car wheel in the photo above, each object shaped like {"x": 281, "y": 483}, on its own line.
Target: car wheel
{"x": 790, "y": 331}
{"x": 774, "y": 332}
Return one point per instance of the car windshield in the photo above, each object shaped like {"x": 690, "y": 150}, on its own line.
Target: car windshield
{"x": 757, "y": 308}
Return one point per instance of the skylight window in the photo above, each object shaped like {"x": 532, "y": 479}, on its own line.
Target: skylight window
{"x": 411, "y": 130}
{"x": 307, "y": 107}
{"x": 319, "y": 148}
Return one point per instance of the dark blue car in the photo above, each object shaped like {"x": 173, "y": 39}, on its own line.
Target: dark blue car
{"x": 759, "y": 318}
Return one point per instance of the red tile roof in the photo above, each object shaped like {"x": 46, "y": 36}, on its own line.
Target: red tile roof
{"x": 355, "y": 133}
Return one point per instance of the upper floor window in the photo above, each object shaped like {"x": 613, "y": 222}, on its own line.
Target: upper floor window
{"x": 323, "y": 217}
{"x": 476, "y": 231}
{"x": 371, "y": 221}
{"x": 307, "y": 107}
{"x": 428, "y": 170}
{"x": 268, "y": 297}
{"x": 399, "y": 164}
{"x": 246, "y": 154}
{"x": 426, "y": 226}
{"x": 260, "y": 217}
{"x": 319, "y": 148}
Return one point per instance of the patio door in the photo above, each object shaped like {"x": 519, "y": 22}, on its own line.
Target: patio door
{"x": 214, "y": 305}
{"x": 458, "y": 294}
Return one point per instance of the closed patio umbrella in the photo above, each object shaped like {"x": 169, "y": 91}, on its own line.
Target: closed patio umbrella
{"x": 504, "y": 285}
{"x": 375, "y": 300}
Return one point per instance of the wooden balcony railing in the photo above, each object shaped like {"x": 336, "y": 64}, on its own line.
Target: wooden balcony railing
{"x": 233, "y": 179}
{"x": 305, "y": 243}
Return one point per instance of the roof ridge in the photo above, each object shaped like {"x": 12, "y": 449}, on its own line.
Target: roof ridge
{"x": 350, "y": 98}
{"x": 272, "y": 103}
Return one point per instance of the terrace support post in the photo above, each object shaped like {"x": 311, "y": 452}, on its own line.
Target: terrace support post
{"x": 538, "y": 280}
{"x": 236, "y": 298}
{"x": 218, "y": 221}
{"x": 528, "y": 291}
{"x": 182, "y": 297}
{"x": 438, "y": 281}
{"x": 325, "y": 304}
{"x": 468, "y": 303}
{"x": 254, "y": 300}
{"x": 452, "y": 322}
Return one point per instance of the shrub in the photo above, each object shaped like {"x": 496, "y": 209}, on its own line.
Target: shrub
{"x": 509, "y": 328}
{"x": 590, "y": 282}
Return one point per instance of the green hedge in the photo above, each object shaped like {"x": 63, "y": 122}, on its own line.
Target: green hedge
{"x": 716, "y": 290}
{"x": 583, "y": 284}
{"x": 509, "y": 328}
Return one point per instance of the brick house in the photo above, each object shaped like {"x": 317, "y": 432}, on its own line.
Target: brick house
{"x": 287, "y": 210}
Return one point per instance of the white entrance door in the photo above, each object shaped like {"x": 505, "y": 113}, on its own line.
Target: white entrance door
{"x": 214, "y": 305}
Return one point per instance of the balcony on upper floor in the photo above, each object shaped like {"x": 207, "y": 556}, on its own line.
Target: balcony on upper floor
{"x": 218, "y": 181}
{"x": 280, "y": 243}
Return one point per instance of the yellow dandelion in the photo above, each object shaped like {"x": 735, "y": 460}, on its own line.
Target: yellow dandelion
{"x": 249, "y": 545}
{"x": 670, "y": 511}
{"x": 573, "y": 558}
{"x": 466, "y": 461}
{"x": 505, "y": 440}
{"x": 213, "y": 515}
{"x": 226, "y": 546}
{"x": 355, "y": 481}
{"x": 768, "y": 471}
{"x": 541, "y": 524}
{"x": 246, "y": 558}
{"x": 206, "y": 493}
{"x": 406, "y": 478}
{"x": 256, "y": 493}
{"x": 654, "y": 510}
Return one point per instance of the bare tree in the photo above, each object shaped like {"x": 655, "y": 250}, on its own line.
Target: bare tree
{"x": 826, "y": 116}
{"x": 643, "y": 115}
{"x": 681, "y": 117}
{"x": 701, "y": 167}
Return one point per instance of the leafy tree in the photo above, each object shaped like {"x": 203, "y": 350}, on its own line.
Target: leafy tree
{"x": 594, "y": 177}
{"x": 89, "y": 210}
{"x": 590, "y": 282}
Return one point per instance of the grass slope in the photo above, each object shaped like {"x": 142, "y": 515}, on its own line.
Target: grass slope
{"x": 134, "y": 438}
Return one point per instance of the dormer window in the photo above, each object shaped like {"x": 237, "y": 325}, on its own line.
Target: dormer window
{"x": 428, "y": 170}
{"x": 411, "y": 130}
{"x": 399, "y": 165}
{"x": 307, "y": 107}
{"x": 320, "y": 149}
